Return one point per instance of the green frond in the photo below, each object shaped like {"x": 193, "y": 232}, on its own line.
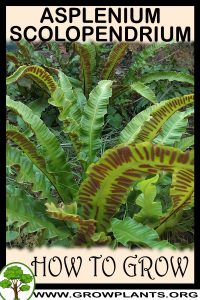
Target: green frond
{"x": 93, "y": 119}
{"x": 87, "y": 54}
{"x": 116, "y": 55}
{"x": 54, "y": 155}
{"x": 129, "y": 231}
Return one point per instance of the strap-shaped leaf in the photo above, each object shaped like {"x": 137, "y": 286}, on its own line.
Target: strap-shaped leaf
{"x": 24, "y": 209}
{"x": 30, "y": 150}
{"x": 28, "y": 173}
{"x": 87, "y": 54}
{"x": 160, "y": 115}
{"x": 182, "y": 189}
{"x": 63, "y": 103}
{"x": 182, "y": 194}
{"x": 172, "y": 129}
{"x": 167, "y": 75}
{"x": 93, "y": 119}
{"x": 35, "y": 72}
{"x": 52, "y": 152}
{"x": 67, "y": 102}
{"x": 144, "y": 91}
{"x": 66, "y": 86}
{"x": 128, "y": 230}
{"x": 73, "y": 104}
{"x": 27, "y": 146}
{"x": 151, "y": 210}
{"x": 111, "y": 178}
{"x": 116, "y": 54}
{"x": 129, "y": 133}
{"x": 85, "y": 227}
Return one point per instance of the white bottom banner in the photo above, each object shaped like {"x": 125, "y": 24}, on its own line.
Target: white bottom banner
{"x": 116, "y": 294}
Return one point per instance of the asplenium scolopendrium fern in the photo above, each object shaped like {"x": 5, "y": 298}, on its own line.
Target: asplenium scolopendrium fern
{"x": 108, "y": 181}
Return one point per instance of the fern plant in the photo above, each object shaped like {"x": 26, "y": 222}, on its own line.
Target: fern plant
{"x": 87, "y": 214}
